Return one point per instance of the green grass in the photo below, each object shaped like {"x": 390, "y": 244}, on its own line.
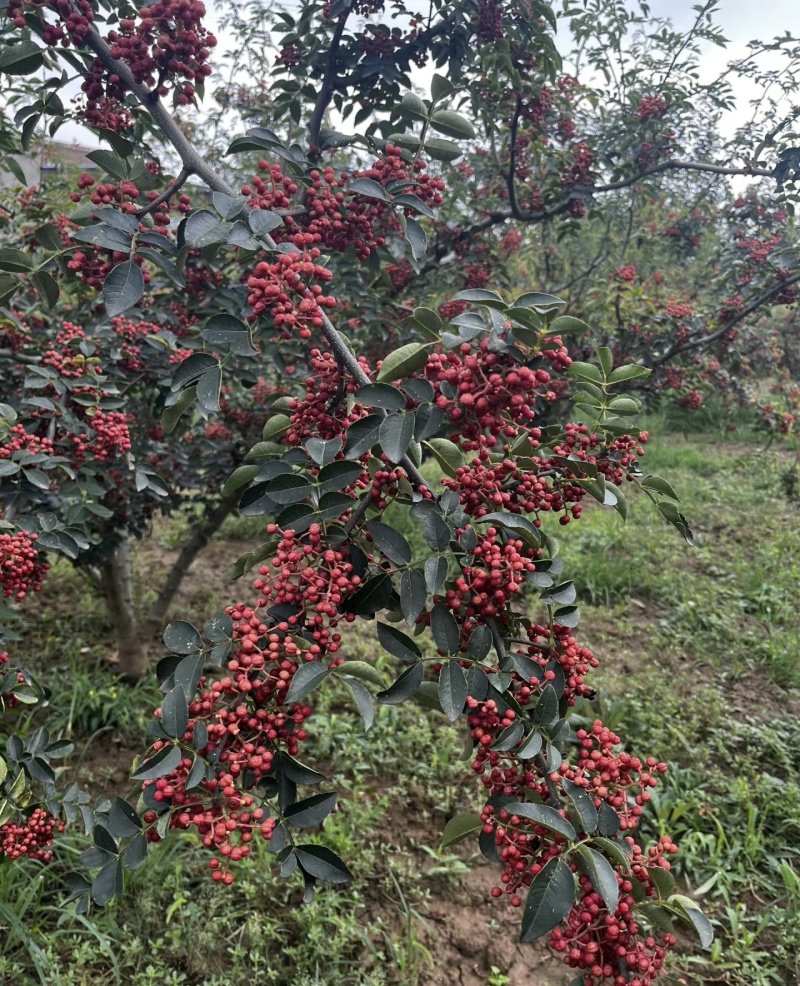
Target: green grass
{"x": 700, "y": 667}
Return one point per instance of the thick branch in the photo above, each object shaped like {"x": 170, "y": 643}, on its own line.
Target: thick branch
{"x": 512, "y": 161}
{"x": 328, "y": 84}
{"x": 198, "y": 539}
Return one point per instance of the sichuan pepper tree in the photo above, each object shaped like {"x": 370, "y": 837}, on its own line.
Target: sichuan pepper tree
{"x": 78, "y": 478}
{"x": 295, "y": 246}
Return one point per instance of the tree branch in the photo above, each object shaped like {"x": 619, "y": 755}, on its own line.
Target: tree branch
{"x": 198, "y": 539}
{"x": 327, "y": 87}
{"x": 703, "y": 341}
{"x": 197, "y": 165}
{"x": 179, "y": 182}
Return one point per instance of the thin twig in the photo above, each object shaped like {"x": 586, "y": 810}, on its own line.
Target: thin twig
{"x": 179, "y": 182}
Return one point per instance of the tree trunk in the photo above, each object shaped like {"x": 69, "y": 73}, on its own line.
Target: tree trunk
{"x": 200, "y": 536}
{"x": 117, "y": 577}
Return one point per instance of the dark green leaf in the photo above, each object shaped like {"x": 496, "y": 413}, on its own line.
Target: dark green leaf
{"x": 445, "y": 629}
{"x": 21, "y": 58}
{"x": 398, "y": 644}
{"x": 182, "y": 638}
{"x": 165, "y": 761}
{"x": 311, "y": 811}
{"x": 602, "y": 875}
{"x": 584, "y": 806}
{"x": 435, "y": 572}
{"x": 461, "y": 827}
{"x": 323, "y": 864}
{"x": 306, "y": 679}
{"x": 402, "y": 363}
{"x": 396, "y": 433}
{"x": 123, "y": 820}
{"x": 550, "y": 899}
{"x": 404, "y": 686}
{"x": 363, "y": 700}
{"x": 391, "y": 544}
{"x": 108, "y": 883}
{"x": 452, "y": 689}
{"x": 175, "y": 713}
{"x": 437, "y": 531}
{"x": 123, "y": 288}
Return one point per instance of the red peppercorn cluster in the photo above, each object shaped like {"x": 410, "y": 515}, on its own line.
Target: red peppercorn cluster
{"x": 335, "y": 218}
{"x": 452, "y": 309}
{"x": 76, "y": 17}
{"x": 651, "y": 107}
{"x": 595, "y": 942}
{"x": 7, "y": 699}
{"x": 168, "y": 44}
{"x": 611, "y": 776}
{"x": 678, "y": 309}
{"x": 311, "y": 578}
{"x": 131, "y": 333}
{"x": 20, "y": 441}
{"x": 493, "y": 393}
{"x": 484, "y": 487}
{"x": 400, "y": 273}
{"x": 21, "y": 571}
{"x": 626, "y": 273}
{"x": 109, "y": 438}
{"x": 323, "y": 412}
{"x": 495, "y": 575}
{"x": 281, "y": 288}
{"x": 692, "y": 400}
{"x": 477, "y": 275}
{"x": 489, "y": 25}
{"x": 512, "y": 241}
{"x": 560, "y": 648}
{"x": 247, "y": 723}
{"x": 30, "y": 837}
{"x": 579, "y": 170}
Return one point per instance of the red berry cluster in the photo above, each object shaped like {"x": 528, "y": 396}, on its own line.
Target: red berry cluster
{"x": 7, "y": 699}
{"x": 626, "y": 273}
{"x": 561, "y": 648}
{"x": 281, "y": 288}
{"x": 30, "y": 837}
{"x": 651, "y": 107}
{"x": 678, "y": 309}
{"x": 477, "y": 275}
{"x": 110, "y": 437}
{"x": 20, "y": 441}
{"x": 452, "y": 309}
{"x": 692, "y": 400}
{"x": 21, "y": 571}
{"x": 169, "y": 43}
{"x": 311, "y": 578}
{"x": 511, "y": 241}
{"x": 76, "y": 16}
{"x": 493, "y": 393}
{"x": 610, "y": 775}
{"x": 489, "y": 25}
{"x": 596, "y": 942}
{"x": 323, "y": 412}
{"x": 495, "y": 574}
{"x": 247, "y": 723}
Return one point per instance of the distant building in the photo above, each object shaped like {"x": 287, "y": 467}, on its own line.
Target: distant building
{"x": 52, "y": 158}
